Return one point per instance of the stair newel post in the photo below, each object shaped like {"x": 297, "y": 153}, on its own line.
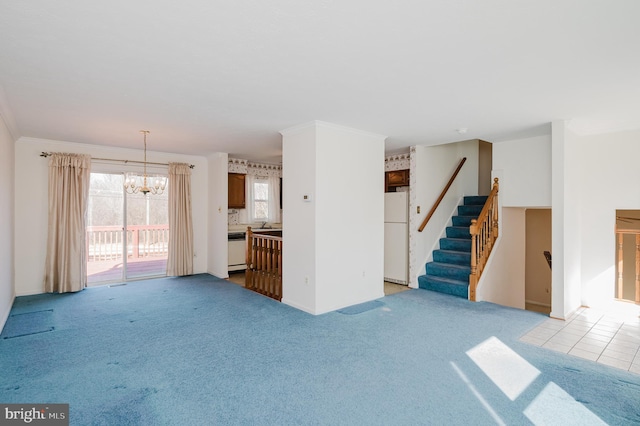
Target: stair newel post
{"x": 495, "y": 209}
{"x": 249, "y": 258}
{"x": 473, "y": 277}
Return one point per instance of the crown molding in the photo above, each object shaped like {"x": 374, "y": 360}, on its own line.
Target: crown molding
{"x": 318, "y": 123}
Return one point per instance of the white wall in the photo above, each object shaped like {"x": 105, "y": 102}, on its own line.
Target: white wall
{"x": 584, "y": 179}
{"x": 566, "y": 221}
{"x": 217, "y": 249}
{"x": 609, "y": 176}
{"x": 349, "y": 217}
{"x": 336, "y": 240}
{"x": 31, "y": 205}
{"x": 299, "y": 218}
{"x": 434, "y": 166}
{"x": 503, "y": 280}
{"x": 7, "y": 269}
{"x": 524, "y": 166}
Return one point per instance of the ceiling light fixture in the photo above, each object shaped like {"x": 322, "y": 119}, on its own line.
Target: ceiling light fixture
{"x": 132, "y": 180}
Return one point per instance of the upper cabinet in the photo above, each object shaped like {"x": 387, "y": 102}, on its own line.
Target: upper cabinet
{"x": 236, "y": 191}
{"x": 395, "y": 179}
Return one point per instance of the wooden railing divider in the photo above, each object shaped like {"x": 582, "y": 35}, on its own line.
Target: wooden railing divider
{"x": 484, "y": 233}
{"x": 620, "y": 235}
{"x": 264, "y": 264}
{"x": 442, "y": 194}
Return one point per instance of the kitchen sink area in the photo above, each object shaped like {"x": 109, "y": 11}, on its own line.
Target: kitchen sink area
{"x": 237, "y": 242}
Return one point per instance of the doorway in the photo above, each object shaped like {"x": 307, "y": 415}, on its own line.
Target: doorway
{"x": 538, "y": 260}
{"x": 127, "y": 234}
{"x": 628, "y": 255}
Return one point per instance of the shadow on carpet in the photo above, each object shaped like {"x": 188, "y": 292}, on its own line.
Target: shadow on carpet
{"x": 361, "y": 307}
{"x": 28, "y": 323}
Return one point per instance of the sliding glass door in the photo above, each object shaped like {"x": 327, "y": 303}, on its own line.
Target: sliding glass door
{"x": 127, "y": 234}
{"x": 147, "y": 235}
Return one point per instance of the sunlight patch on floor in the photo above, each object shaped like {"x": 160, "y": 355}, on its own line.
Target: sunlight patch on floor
{"x": 554, "y": 406}
{"x": 478, "y": 395}
{"x": 508, "y": 370}
{"x": 512, "y": 374}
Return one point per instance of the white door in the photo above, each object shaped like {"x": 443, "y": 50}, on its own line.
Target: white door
{"x": 395, "y": 207}
{"x": 396, "y": 252}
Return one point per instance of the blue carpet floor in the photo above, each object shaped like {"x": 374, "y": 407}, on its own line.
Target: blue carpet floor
{"x": 202, "y": 351}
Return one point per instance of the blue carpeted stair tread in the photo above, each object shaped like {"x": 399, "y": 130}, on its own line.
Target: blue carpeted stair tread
{"x": 457, "y": 244}
{"x": 461, "y": 232}
{"x": 472, "y": 210}
{"x": 444, "y": 285}
{"x": 462, "y": 220}
{"x": 475, "y": 200}
{"x": 448, "y": 270}
{"x": 452, "y": 256}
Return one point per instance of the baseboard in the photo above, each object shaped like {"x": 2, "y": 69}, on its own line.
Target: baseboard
{"x": 395, "y": 281}
{"x": 298, "y": 306}
{"x": 532, "y": 302}
{"x": 5, "y": 315}
{"x": 223, "y": 276}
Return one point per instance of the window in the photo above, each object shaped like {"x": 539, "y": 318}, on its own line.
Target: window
{"x": 261, "y": 201}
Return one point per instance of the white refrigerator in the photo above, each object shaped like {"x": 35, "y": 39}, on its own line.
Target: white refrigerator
{"x": 396, "y": 237}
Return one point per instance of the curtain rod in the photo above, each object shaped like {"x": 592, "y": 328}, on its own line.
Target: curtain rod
{"x": 191, "y": 166}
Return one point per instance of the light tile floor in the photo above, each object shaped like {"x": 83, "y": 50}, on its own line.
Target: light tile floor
{"x": 393, "y": 288}
{"x": 608, "y": 336}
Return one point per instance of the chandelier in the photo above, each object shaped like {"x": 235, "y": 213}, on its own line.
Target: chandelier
{"x": 150, "y": 184}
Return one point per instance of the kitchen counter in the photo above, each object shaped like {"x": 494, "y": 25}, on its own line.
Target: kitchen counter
{"x": 255, "y": 228}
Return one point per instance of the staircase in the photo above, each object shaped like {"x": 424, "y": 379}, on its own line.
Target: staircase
{"x": 451, "y": 266}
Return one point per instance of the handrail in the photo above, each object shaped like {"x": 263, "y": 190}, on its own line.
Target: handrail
{"x": 442, "y": 194}
{"x": 484, "y": 233}
{"x": 264, "y": 264}
{"x": 105, "y": 242}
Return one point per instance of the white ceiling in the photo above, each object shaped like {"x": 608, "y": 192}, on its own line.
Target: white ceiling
{"x": 227, "y": 76}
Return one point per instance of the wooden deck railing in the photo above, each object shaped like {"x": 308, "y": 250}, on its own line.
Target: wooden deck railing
{"x": 264, "y": 264}
{"x": 442, "y": 194}
{"x": 105, "y": 242}
{"x": 484, "y": 232}
{"x": 620, "y": 233}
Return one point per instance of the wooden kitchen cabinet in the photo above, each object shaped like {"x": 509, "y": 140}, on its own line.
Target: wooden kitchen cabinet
{"x": 236, "y": 191}
{"x": 396, "y": 178}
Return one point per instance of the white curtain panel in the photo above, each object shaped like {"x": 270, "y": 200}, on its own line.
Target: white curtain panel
{"x": 66, "y": 261}
{"x": 249, "y": 197}
{"x": 274, "y": 199}
{"x": 180, "y": 256}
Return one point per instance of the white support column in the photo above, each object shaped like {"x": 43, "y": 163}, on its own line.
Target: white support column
{"x": 566, "y": 223}
{"x": 333, "y": 224}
